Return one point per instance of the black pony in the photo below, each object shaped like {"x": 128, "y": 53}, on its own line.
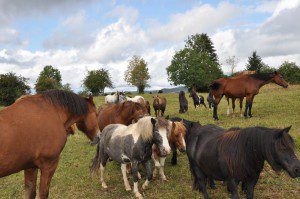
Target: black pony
{"x": 198, "y": 100}
{"x": 238, "y": 155}
{"x": 183, "y": 102}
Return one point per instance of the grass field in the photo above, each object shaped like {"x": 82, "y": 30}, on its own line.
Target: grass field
{"x": 273, "y": 107}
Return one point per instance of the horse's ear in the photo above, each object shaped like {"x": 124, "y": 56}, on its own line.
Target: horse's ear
{"x": 167, "y": 117}
{"x": 275, "y": 72}
{"x": 181, "y": 121}
{"x": 153, "y": 121}
{"x": 91, "y": 99}
{"x": 282, "y": 132}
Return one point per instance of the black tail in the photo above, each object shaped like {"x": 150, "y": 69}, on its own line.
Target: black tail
{"x": 214, "y": 86}
{"x": 97, "y": 159}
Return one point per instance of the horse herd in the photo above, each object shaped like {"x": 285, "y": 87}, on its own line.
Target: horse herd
{"x": 34, "y": 131}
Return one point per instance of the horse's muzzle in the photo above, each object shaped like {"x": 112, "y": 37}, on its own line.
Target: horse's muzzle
{"x": 182, "y": 149}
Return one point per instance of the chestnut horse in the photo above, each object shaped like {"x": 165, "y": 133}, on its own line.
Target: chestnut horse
{"x": 176, "y": 140}
{"x": 159, "y": 104}
{"x": 122, "y": 113}
{"x": 34, "y": 131}
{"x": 245, "y": 86}
{"x": 141, "y": 100}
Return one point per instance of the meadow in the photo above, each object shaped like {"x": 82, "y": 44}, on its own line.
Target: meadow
{"x": 274, "y": 107}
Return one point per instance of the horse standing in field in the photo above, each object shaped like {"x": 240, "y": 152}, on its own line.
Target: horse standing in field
{"x": 34, "y": 131}
{"x": 122, "y": 113}
{"x": 238, "y": 155}
{"x": 183, "y": 103}
{"x": 159, "y": 104}
{"x": 198, "y": 100}
{"x": 141, "y": 100}
{"x": 116, "y": 98}
{"x": 131, "y": 145}
{"x": 176, "y": 140}
{"x": 245, "y": 86}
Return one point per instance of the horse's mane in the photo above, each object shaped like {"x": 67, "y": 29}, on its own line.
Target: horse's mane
{"x": 121, "y": 106}
{"x": 262, "y": 76}
{"x": 245, "y": 150}
{"x": 144, "y": 128}
{"x": 74, "y": 103}
{"x": 179, "y": 125}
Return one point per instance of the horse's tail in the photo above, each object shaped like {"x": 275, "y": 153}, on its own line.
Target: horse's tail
{"x": 97, "y": 159}
{"x": 195, "y": 174}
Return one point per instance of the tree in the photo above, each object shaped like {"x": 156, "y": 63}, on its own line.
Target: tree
{"x": 254, "y": 62}
{"x": 266, "y": 68}
{"x": 49, "y": 78}
{"x": 97, "y": 80}
{"x": 67, "y": 87}
{"x": 290, "y": 72}
{"x": 137, "y": 73}
{"x": 12, "y": 87}
{"x": 232, "y": 62}
{"x": 196, "y": 65}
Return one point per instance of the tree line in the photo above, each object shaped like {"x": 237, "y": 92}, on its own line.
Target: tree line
{"x": 195, "y": 66}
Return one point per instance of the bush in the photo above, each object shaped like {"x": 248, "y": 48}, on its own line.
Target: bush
{"x": 290, "y": 72}
{"x": 160, "y": 91}
{"x": 49, "y": 78}
{"x": 12, "y": 87}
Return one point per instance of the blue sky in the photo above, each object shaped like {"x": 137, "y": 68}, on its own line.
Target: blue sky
{"x": 76, "y": 35}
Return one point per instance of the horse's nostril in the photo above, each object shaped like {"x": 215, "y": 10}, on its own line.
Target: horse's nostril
{"x": 297, "y": 170}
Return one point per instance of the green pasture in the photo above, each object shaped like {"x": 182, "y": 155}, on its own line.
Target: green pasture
{"x": 273, "y": 107}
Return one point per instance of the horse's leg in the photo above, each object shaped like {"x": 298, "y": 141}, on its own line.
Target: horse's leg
{"x": 124, "y": 173}
{"x": 163, "y": 112}
{"x": 148, "y": 169}
{"x": 216, "y": 102}
{"x": 135, "y": 179}
{"x": 228, "y": 109}
{"x": 102, "y": 170}
{"x": 250, "y": 106}
{"x": 30, "y": 183}
{"x": 232, "y": 186}
{"x": 250, "y": 187}
{"x": 212, "y": 183}
{"x": 174, "y": 156}
{"x": 199, "y": 178}
{"x": 47, "y": 171}
{"x": 249, "y": 99}
{"x": 161, "y": 168}
{"x": 241, "y": 106}
{"x": 155, "y": 159}
{"x": 233, "y": 104}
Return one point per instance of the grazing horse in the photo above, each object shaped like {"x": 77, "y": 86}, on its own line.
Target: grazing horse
{"x": 159, "y": 104}
{"x": 34, "y": 131}
{"x": 245, "y": 86}
{"x": 238, "y": 155}
{"x": 198, "y": 100}
{"x": 115, "y": 98}
{"x": 131, "y": 145}
{"x": 176, "y": 140}
{"x": 141, "y": 100}
{"x": 122, "y": 113}
{"x": 183, "y": 103}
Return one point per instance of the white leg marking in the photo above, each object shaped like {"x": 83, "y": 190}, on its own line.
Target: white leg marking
{"x": 102, "y": 170}
{"x": 161, "y": 169}
{"x": 126, "y": 183}
{"x": 136, "y": 190}
{"x": 228, "y": 110}
{"x": 145, "y": 185}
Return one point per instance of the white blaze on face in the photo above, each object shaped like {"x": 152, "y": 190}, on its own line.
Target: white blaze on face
{"x": 163, "y": 134}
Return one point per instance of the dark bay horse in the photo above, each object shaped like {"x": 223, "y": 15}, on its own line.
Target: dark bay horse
{"x": 176, "y": 140}
{"x": 159, "y": 104}
{"x": 121, "y": 113}
{"x": 34, "y": 131}
{"x": 245, "y": 86}
{"x": 198, "y": 100}
{"x": 238, "y": 155}
{"x": 131, "y": 145}
{"x": 183, "y": 103}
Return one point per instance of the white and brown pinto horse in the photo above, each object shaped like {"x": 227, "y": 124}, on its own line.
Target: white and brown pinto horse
{"x": 116, "y": 98}
{"x": 176, "y": 140}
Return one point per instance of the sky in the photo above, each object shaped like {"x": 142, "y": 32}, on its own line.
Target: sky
{"x": 80, "y": 35}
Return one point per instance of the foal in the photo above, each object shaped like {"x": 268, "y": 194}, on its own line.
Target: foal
{"x": 131, "y": 145}
{"x": 176, "y": 140}
{"x": 159, "y": 104}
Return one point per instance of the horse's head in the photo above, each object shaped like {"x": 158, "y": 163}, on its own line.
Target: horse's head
{"x": 278, "y": 79}
{"x": 283, "y": 153}
{"x": 137, "y": 111}
{"x": 177, "y": 135}
{"x": 160, "y": 135}
{"x": 89, "y": 124}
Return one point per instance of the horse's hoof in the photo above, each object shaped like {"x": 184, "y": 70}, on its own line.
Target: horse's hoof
{"x": 128, "y": 188}
{"x": 213, "y": 186}
{"x": 164, "y": 179}
{"x": 138, "y": 195}
{"x": 250, "y": 115}
{"x": 104, "y": 186}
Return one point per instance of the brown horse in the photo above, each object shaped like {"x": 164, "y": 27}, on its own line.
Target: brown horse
{"x": 34, "y": 131}
{"x": 122, "y": 113}
{"x": 176, "y": 140}
{"x": 159, "y": 104}
{"x": 245, "y": 86}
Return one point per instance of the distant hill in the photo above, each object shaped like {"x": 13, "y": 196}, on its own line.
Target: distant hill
{"x": 170, "y": 90}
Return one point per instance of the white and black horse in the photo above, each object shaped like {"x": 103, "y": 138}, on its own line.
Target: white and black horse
{"x": 116, "y": 98}
{"x": 131, "y": 145}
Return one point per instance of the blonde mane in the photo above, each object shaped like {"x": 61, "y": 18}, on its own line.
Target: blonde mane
{"x": 144, "y": 128}
{"x": 179, "y": 126}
